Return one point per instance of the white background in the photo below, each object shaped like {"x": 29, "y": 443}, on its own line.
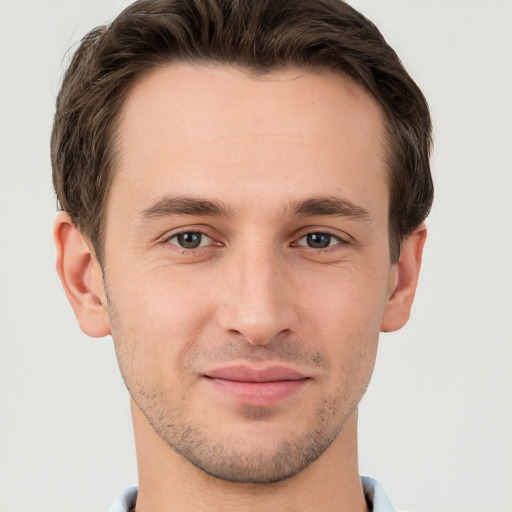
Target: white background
{"x": 436, "y": 422}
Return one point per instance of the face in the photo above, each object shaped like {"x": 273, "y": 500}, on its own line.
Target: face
{"x": 247, "y": 262}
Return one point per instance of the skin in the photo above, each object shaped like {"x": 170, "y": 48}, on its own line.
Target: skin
{"x": 282, "y": 182}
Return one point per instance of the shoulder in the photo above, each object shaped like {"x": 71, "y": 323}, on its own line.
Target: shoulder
{"x": 375, "y": 495}
{"x": 125, "y": 501}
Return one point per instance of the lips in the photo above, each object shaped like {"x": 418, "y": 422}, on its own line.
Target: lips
{"x": 254, "y": 386}
{"x": 246, "y": 374}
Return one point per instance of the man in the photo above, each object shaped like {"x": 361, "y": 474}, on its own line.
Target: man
{"x": 243, "y": 186}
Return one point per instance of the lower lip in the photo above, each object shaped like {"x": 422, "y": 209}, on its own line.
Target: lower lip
{"x": 258, "y": 393}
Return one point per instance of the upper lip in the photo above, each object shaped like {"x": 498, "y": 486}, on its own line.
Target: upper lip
{"x": 243, "y": 373}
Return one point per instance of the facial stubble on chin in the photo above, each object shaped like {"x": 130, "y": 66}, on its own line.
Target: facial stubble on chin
{"x": 243, "y": 459}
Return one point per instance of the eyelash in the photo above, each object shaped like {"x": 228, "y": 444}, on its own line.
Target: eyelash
{"x": 191, "y": 232}
{"x": 339, "y": 241}
{"x": 331, "y": 237}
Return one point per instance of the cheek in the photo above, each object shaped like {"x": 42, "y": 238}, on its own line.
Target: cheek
{"x": 162, "y": 303}
{"x": 345, "y": 311}
{"x": 347, "y": 301}
{"x": 154, "y": 325}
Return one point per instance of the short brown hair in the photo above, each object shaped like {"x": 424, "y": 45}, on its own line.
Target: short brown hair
{"x": 259, "y": 36}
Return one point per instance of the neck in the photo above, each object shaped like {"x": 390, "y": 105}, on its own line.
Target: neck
{"x": 167, "y": 481}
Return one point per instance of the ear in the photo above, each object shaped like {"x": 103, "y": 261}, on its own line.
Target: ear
{"x": 403, "y": 281}
{"x": 80, "y": 274}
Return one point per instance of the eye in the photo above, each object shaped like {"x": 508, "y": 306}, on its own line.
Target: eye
{"x": 190, "y": 240}
{"x": 318, "y": 240}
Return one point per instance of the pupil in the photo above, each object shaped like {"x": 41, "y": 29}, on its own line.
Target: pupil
{"x": 189, "y": 240}
{"x": 319, "y": 240}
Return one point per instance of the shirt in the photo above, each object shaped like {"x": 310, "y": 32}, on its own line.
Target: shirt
{"x": 375, "y": 496}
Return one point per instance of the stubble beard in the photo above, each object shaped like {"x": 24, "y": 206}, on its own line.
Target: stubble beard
{"x": 241, "y": 459}
{"x": 244, "y": 460}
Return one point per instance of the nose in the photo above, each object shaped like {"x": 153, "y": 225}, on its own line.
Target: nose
{"x": 257, "y": 302}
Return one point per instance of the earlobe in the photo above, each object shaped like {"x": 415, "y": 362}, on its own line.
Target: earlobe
{"x": 80, "y": 274}
{"x": 404, "y": 281}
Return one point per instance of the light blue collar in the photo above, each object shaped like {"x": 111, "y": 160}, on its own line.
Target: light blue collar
{"x": 374, "y": 493}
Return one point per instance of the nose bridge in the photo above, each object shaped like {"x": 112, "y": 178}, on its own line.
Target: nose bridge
{"x": 257, "y": 303}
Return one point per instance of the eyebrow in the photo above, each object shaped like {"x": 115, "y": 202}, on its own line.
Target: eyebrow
{"x": 329, "y": 206}
{"x": 312, "y": 207}
{"x": 184, "y": 205}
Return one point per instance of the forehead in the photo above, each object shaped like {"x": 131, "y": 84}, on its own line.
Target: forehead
{"x": 186, "y": 126}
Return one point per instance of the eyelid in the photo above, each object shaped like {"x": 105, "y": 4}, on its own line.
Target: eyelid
{"x": 337, "y": 238}
{"x": 201, "y": 229}
{"x": 204, "y": 240}
{"x": 341, "y": 236}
